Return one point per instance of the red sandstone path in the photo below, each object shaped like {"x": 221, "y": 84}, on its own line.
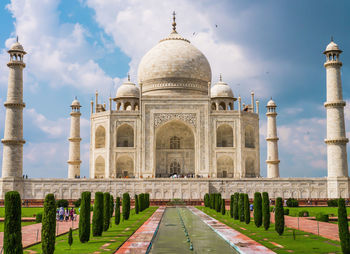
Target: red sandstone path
{"x": 327, "y": 230}
{"x": 31, "y": 232}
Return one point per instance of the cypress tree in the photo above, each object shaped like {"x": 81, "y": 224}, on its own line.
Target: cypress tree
{"x": 97, "y": 217}
{"x": 257, "y": 209}
{"x": 231, "y": 206}
{"x": 136, "y": 204}
{"x": 235, "y": 206}
{"x": 48, "y": 228}
{"x": 106, "y": 210}
{"x": 117, "y": 211}
{"x": 246, "y": 209}
{"x": 85, "y": 216}
{"x": 266, "y": 210}
{"x": 147, "y": 200}
{"x": 218, "y": 200}
{"x": 241, "y": 207}
{"x": 141, "y": 202}
{"x": 70, "y": 237}
{"x": 111, "y": 206}
{"x": 343, "y": 226}
{"x": 206, "y": 200}
{"x": 126, "y": 206}
{"x": 12, "y": 224}
{"x": 211, "y": 200}
{"x": 279, "y": 216}
{"x": 223, "y": 208}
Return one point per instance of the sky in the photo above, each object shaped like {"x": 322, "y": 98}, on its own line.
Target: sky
{"x": 273, "y": 48}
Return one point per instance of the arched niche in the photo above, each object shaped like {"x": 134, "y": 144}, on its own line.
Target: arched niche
{"x": 224, "y": 136}
{"x": 250, "y": 167}
{"x": 124, "y": 167}
{"x": 249, "y": 137}
{"x": 100, "y": 137}
{"x": 222, "y": 106}
{"x": 125, "y": 136}
{"x": 224, "y": 166}
{"x": 100, "y": 167}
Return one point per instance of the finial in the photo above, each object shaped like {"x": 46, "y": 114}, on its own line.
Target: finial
{"x": 174, "y": 23}
{"x": 76, "y": 97}
{"x": 332, "y": 38}
{"x": 220, "y": 78}
{"x": 129, "y": 77}
{"x": 17, "y": 38}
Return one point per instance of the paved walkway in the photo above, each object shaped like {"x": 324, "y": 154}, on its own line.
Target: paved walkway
{"x": 141, "y": 239}
{"x": 324, "y": 229}
{"x": 31, "y": 234}
{"x": 240, "y": 242}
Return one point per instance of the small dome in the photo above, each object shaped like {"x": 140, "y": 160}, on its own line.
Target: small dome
{"x": 221, "y": 89}
{"x": 332, "y": 46}
{"x": 17, "y": 46}
{"x": 271, "y": 103}
{"x": 127, "y": 90}
{"x": 75, "y": 103}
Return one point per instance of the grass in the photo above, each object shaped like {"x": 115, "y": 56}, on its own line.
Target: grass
{"x": 24, "y": 223}
{"x": 26, "y": 211}
{"x": 304, "y": 242}
{"x": 115, "y": 236}
{"x": 294, "y": 211}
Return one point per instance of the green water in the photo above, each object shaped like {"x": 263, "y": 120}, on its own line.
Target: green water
{"x": 171, "y": 236}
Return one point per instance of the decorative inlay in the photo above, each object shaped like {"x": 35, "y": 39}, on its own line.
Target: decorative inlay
{"x": 160, "y": 118}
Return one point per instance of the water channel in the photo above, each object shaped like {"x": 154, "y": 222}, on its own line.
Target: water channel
{"x": 181, "y": 231}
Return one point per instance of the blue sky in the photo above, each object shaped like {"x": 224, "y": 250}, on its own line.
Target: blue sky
{"x": 272, "y": 47}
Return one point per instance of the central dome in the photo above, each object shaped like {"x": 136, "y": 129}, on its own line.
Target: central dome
{"x": 174, "y": 66}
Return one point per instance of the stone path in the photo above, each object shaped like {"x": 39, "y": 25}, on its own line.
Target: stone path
{"x": 240, "y": 242}
{"x": 141, "y": 239}
{"x": 326, "y": 229}
{"x": 31, "y": 234}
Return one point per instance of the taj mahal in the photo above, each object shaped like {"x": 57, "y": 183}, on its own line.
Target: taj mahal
{"x": 176, "y": 132}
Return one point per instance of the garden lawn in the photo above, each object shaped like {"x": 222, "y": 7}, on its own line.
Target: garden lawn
{"x": 24, "y": 223}
{"x": 294, "y": 211}
{"x": 115, "y": 236}
{"x": 26, "y": 211}
{"x": 304, "y": 242}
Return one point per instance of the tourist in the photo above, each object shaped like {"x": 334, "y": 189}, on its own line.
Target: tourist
{"x": 61, "y": 213}
{"x": 71, "y": 214}
{"x": 66, "y": 214}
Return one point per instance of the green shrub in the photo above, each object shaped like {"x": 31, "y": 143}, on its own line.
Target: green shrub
{"x": 111, "y": 207}
{"x": 62, "y": 203}
{"x": 241, "y": 207}
{"x": 85, "y": 217}
{"x": 136, "y": 204}
{"x": 126, "y": 206}
{"x": 286, "y": 211}
{"x": 106, "y": 210}
{"x": 117, "y": 211}
{"x": 266, "y": 210}
{"x": 257, "y": 209}
{"x": 211, "y": 200}
{"x": 333, "y": 202}
{"x": 77, "y": 203}
{"x": 235, "y": 206}
{"x": 218, "y": 202}
{"x": 303, "y": 213}
{"x": 279, "y": 216}
{"x": 223, "y": 208}
{"x": 48, "y": 228}
{"x": 12, "y": 225}
{"x": 70, "y": 237}
{"x": 246, "y": 209}
{"x": 291, "y": 202}
{"x": 147, "y": 200}
{"x": 206, "y": 200}
{"x": 343, "y": 226}
{"x": 322, "y": 217}
{"x": 97, "y": 217}
{"x": 39, "y": 218}
{"x": 231, "y": 205}
{"x": 141, "y": 202}
{"x": 271, "y": 209}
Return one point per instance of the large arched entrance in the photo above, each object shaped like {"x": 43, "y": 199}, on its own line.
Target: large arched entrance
{"x": 175, "y": 150}
{"x": 225, "y": 167}
{"x": 124, "y": 167}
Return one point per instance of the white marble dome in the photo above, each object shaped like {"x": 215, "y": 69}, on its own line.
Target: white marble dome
{"x": 221, "y": 90}
{"x": 174, "y": 66}
{"x": 332, "y": 46}
{"x": 75, "y": 103}
{"x": 271, "y": 103}
{"x": 16, "y": 47}
{"x": 128, "y": 90}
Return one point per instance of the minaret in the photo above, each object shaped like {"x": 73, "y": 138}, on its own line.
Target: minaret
{"x": 336, "y": 139}
{"x": 12, "y": 161}
{"x": 74, "y": 141}
{"x": 272, "y": 147}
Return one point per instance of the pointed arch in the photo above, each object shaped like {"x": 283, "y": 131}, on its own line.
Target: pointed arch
{"x": 125, "y": 136}
{"x": 100, "y": 167}
{"x": 249, "y": 137}
{"x": 124, "y": 167}
{"x": 250, "y": 167}
{"x": 100, "y": 137}
{"x": 224, "y": 166}
{"x": 224, "y": 136}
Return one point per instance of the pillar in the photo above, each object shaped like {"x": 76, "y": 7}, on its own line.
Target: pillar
{"x": 74, "y": 141}
{"x": 272, "y": 147}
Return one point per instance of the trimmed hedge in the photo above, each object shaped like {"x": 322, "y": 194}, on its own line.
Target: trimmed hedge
{"x": 206, "y": 200}
{"x": 136, "y": 204}
{"x": 117, "y": 211}
{"x": 147, "y": 200}
{"x": 218, "y": 202}
{"x": 77, "y": 203}
{"x": 85, "y": 217}
{"x": 141, "y": 202}
{"x": 12, "y": 224}
{"x": 266, "y": 210}
{"x": 126, "y": 206}
{"x": 279, "y": 216}
{"x": 70, "y": 237}
{"x": 235, "y": 206}
{"x": 343, "y": 226}
{"x": 97, "y": 217}
{"x": 246, "y": 209}
{"x": 257, "y": 209}
{"x": 39, "y": 218}
{"x": 111, "y": 207}
{"x": 106, "y": 210}
{"x": 211, "y": 200}
{"x": 303, "y": 213}
{"x": 223, "y": 208}
{"x": 241, "y": 207}
{"x": 231, "y": 205}
{"x": 62, "y": 203}
{"x": 333, "y": 202}
{"x": 322, "y": 217}
{"x": 48, "y": 228}
{"x": 291, "y": 202}
{"x": 286, "y": 211}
